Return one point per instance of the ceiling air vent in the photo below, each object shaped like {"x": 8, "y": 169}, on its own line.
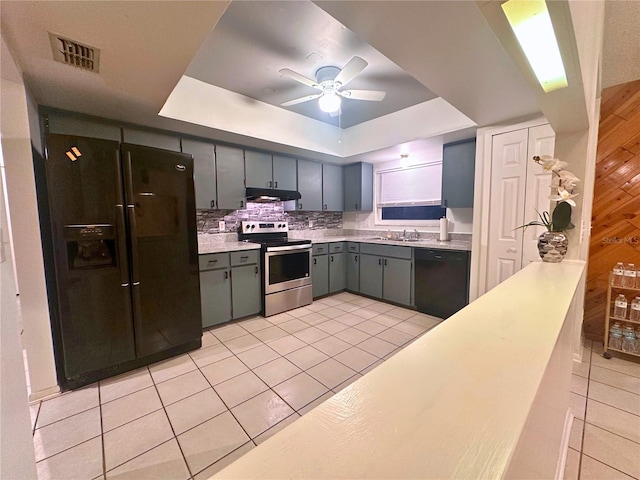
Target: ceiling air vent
{"x": 74, "y": 53}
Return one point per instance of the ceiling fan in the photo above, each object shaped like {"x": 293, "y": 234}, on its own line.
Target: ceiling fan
{"x": 330, "y": 80}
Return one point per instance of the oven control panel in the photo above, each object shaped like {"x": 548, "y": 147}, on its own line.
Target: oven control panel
{"x": 264, "y": 227}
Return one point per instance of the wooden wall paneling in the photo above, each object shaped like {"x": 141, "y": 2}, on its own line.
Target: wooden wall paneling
{"x": 615, "y": 231}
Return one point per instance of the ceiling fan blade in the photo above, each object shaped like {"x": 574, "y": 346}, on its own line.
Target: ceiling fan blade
{"x": 300, "y": 100}
{"x": 286, "y": 72}
{"x": 350, "y": 70}
{"x": 371, "y": 95}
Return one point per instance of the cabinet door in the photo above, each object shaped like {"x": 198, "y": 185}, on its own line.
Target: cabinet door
{"x": 284, "y": 173}
{"x": 150, "y": 139}
{"x": 358, "y": 187}
{"x": 258, "y": 169}
{"x": 397, "y": 280}
{"x": 320, "y": 275}
{"x": 458, "y": 167}
{"x": 353, "y": 272}
{"x": 332, "y": 188}
{"x": 371, "y": 275}
{"x": 204, "y": 172}
{"x": 509, "y": 163}
{"x": 245, "y": 291}
{"x": 215, "y": 297}
{"x": 310, "y": 185}
{"x": 230, "y": 174}
{"x": 72, "y": 125}
{"x": 337, "y": 272}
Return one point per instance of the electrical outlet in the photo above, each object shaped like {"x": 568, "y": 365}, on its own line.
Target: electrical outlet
{"x": 221, "y": 225}
{"x": 310, "y": 223}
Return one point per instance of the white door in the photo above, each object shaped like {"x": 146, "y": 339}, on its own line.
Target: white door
{"x": 541, "y": 142}
{"x": 506, "y": 209}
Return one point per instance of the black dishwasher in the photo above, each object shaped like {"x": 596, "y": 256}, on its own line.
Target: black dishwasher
{"x": 441, "y": 281}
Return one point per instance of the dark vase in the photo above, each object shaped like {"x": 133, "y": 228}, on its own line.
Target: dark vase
{"x": 552, "y": 246}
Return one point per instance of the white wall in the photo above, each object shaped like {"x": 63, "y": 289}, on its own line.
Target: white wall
{"x": 17, "y": 458}
{"x": 20, "y": 184}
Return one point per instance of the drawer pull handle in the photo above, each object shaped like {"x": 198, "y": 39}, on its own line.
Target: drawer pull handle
{"x": 212, "y": 262}
{"x": 244, "y": 258}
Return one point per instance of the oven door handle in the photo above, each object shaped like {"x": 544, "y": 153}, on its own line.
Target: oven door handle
{"x": 288, "y": 248}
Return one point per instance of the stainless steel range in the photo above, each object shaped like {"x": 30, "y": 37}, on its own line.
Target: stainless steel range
{"x": 286, "y": 266}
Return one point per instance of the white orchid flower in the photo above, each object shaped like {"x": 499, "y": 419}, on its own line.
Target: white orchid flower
{"x": 550, "y": 164}
{"x": 564, "y": 196}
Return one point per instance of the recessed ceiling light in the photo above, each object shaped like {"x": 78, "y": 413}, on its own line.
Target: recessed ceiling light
{"x": 532, "y": 26}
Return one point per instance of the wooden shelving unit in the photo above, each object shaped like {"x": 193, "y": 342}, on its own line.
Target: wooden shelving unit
{"x": 611, "y": 288}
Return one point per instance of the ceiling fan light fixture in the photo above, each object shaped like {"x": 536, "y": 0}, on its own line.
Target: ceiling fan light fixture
{"x": 329, "y": 102}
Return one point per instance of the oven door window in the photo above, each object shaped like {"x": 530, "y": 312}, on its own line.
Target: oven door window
{"x": 285, "y": 267}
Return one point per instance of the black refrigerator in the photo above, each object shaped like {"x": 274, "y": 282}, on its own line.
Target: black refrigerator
{"x": 122, "y": 262}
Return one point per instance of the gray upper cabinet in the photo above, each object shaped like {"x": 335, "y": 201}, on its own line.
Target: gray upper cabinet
{"x": 332, "y": 191}
{"x": 230, "y": 170}
{"x": 458, "y": 172}
{"x": 151, "y": 139}
{"x": 264, "y": 170}
{"x": 71, "y": 125}
{"x": 284, "y": 173}
{"x": 358, "y": 187}
{"x": 310, "y": 185}
{"x": 258, "y": 169}
{"x": 204, "y": 172}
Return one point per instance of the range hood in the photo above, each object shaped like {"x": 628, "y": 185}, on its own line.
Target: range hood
{"x": 266, "y": 195}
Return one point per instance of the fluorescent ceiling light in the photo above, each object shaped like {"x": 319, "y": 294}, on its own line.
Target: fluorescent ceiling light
{"x": 532, "y": 26}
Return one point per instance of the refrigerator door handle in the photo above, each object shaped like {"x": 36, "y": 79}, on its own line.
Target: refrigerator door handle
{"x": 122, "y": 246}
{"x": 131, "y": 213}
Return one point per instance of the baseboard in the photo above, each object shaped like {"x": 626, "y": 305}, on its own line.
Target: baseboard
{"x": 564, "y": 446}
{"x": 47, "y": 392}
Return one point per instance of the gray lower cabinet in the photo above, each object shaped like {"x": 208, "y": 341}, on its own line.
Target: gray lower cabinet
{"x": 396, "y": 280}
{"x": 371, "y": 275}
{"x": 358, "y": 187}
{"x": 320, "y": 275}
{"x": 245, "y": 288}
{"x": 332, "y": 189}
{"x": 215, "y": 289}
{"x": 229, "y": 286}
{"x": 386, "y": 272}
{"x": 204, "y": 172}
{"x": 337, "y": 267}
{"x": 310, "y": 185}
{"x": 230, "y": 170}
{"x": 353, "y": 272}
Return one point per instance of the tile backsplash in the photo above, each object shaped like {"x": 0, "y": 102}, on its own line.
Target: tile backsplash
{"x": 208, "y": 219}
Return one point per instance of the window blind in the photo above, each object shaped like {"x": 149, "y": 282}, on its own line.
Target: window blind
{"x": 416, "y": 185}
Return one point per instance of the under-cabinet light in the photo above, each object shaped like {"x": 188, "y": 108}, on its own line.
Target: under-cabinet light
{"x": 532, "y": 26}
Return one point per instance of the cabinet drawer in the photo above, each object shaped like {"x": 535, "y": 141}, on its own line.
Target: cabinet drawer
{"x": 320, "y": 248}
{"x": 353, "y": 247}
{"x": 386, "y": 250}
{"x": 244, "y": 257}
{"x": 212, "y": 261}
{"x": 336, "y": 247}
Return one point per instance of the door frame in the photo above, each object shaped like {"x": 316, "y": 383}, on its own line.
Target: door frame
{"x": 481, "y": 202}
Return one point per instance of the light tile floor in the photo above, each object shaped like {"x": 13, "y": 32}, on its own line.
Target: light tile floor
{"x": 188, "y": 417}
{"x": 605, "y": 436}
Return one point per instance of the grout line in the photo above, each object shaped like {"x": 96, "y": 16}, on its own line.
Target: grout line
{"x": 102, "y": 448}
{"x": 609, "y": 431}
{"x": 613, "y": 406}
{"x": 184, "y": 458}
{"x": 615, "y": 387}
{"x": 35, "y": 421}
{"x": 600, "y": 461}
